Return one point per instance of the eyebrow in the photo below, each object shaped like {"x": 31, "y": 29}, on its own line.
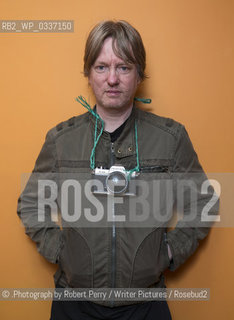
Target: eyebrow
{"x": 106, "y": 64}
{"x": 100, "y": 62}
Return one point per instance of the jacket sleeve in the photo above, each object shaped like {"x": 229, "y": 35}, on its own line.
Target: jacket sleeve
{"x": 184, "y": 238}
{"x": 44, "y": 232}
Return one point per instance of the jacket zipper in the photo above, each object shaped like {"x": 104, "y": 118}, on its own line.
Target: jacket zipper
{"x": 112, "y": 159}
{"x": 113, "y": 234}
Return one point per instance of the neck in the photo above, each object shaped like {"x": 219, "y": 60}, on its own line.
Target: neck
{"x": 113, "y": 118}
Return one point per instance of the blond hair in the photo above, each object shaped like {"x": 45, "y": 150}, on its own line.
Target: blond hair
{"x": 127, "y": 45}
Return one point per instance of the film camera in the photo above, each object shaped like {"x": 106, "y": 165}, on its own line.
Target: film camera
{"x": 115, "y": 181}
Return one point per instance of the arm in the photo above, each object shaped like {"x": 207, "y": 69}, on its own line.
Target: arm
{"x": 46, "y": 234}
{"x": 184, "y": 239}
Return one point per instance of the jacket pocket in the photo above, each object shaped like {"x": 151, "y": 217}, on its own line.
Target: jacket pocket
{"x": 151, "y": 260}
{"x": 75, "y": 259}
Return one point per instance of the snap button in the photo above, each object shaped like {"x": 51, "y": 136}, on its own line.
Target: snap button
{"x": 130, "y": 148}
{"x": 119, "y": 151}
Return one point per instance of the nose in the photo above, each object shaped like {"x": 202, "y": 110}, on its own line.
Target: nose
{"x": 113, "y": 77}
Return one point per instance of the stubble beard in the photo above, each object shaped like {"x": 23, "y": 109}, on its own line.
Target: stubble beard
{"x": 116, "y": 104}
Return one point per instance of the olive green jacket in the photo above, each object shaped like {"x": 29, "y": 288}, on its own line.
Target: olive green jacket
{"x": 116, "y": 256}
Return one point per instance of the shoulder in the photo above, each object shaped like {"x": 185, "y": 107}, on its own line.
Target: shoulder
{"x": 163, "y": 124}
{"x": 68, "y": 125}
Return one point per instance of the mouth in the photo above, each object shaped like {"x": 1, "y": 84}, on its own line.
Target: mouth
{"x": 113, "y": 93}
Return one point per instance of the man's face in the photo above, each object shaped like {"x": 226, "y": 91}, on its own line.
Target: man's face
{"x": 113, "y": 81}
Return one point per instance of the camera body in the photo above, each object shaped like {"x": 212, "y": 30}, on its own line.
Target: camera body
{"x": 115, "y": 181}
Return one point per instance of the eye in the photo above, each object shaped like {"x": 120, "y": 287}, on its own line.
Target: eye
{"x": 123, "y": 69}
{"x": 100, "y": 68}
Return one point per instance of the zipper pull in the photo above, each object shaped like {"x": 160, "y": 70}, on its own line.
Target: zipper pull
{"x": 112, "y": 147}
{"x": 112, "y": 155}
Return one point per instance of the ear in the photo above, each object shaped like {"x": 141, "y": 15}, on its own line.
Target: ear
{"x": 138, "y": 80}
{"x": 89, "y": 82}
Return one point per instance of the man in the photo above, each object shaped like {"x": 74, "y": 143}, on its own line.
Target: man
{"x": 149, "y": 148}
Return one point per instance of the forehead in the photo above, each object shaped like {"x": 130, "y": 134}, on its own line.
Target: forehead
{"x": 107, "y": 53}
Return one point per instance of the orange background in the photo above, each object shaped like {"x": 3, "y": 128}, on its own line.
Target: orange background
{"x": 190, "y": 61}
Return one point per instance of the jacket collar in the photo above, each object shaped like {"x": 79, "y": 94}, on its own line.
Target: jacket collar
{"x": 125, "y": 145}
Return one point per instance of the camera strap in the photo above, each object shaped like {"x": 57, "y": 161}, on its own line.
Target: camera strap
{"x": 85, "y": 104}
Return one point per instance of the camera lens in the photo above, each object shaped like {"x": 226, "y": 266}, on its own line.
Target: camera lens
{"x": 116, "y": 182}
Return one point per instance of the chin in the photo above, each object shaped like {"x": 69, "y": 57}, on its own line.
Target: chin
{"x": 115, "y": 104}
